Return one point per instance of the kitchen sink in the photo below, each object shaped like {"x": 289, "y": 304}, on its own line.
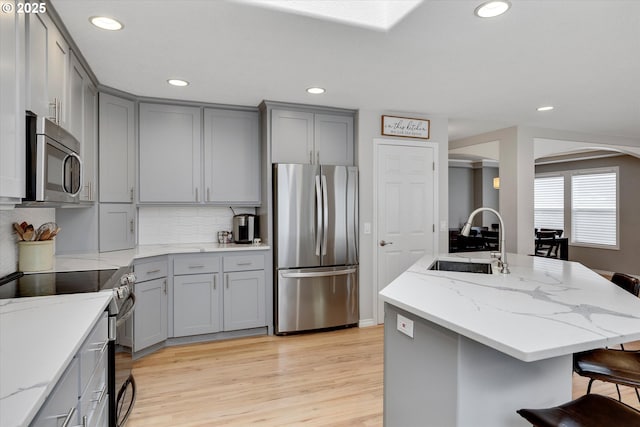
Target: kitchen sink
{"x": 461, "y": 266}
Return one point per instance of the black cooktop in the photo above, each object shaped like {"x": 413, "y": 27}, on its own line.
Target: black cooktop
{"x": 18, "y": 285}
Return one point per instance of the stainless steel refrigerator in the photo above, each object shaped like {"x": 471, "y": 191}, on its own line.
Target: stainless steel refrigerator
{"x": 316, "y": 246}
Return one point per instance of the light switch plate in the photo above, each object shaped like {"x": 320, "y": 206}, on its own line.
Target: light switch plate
{"x": 405, "y": 325}
{"x": 367, "y": 228}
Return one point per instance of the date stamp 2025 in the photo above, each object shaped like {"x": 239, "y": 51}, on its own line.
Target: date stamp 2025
{"x": 20, "y": 7}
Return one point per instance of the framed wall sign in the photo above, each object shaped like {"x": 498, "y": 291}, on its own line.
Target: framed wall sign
{"x": 405, "y": 127}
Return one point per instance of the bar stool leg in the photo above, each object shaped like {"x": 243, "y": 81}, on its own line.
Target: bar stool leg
{"x": 589, "y": 386}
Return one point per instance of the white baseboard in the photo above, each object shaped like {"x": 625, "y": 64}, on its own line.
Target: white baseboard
{"x": 364, "y": 323}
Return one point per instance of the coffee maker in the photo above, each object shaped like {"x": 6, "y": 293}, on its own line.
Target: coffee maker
{"x": 245, "y": 228}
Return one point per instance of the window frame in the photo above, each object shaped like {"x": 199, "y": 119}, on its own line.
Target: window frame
{"x": 562, "y": 175}
{"x": 569, "y": 183}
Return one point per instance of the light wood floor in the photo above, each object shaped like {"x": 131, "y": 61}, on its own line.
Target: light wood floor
{"x": 321, "y": 379}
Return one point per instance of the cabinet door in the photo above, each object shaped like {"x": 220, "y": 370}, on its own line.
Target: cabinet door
{"x": 12, "y": 126}
{"x": 231, "y": 157}
{"x": 196, "y": 304}
{"x": 150, "y": 315}
{"x": 75, "y": 112}
{"x": 62, "y": 401}
{"x": 116, "y": 133}
{"x": 291, "y": 137}
{"x": 117, "y": 226}
{"x": 244, "y": 300}
{"x": 37, "y": 29}
{"x": 169, "y": 153}
{"x": 89, "y": 143}
{"x": 57, "y": 74}
{"x": 333, "y": 137}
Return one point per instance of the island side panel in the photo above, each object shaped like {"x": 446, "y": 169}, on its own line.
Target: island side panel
{"x": 493, "y": 385}
{"x": 420, "y": 373}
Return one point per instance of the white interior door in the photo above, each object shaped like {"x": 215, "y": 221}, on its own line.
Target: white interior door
{"x": 406, "y": 207}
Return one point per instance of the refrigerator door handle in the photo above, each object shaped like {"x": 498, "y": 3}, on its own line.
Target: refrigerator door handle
{"x": 318, "y": 273}
{"x": 325, "y": 215}
{"x": 318, "y": 213}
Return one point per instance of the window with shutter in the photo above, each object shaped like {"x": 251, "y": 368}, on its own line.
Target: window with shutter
{"x": 594, "y": 207}
{"x": 549, "y": 202}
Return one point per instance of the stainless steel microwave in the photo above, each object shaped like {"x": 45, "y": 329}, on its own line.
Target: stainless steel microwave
{"x": 53, "y": 164}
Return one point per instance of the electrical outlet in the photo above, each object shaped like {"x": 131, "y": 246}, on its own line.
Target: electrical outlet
{"x": 405, "y": 325}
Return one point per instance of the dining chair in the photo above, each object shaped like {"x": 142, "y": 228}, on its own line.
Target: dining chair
{"x": 590, "y": 410}
{"x": 546, "y": 244}
{"x": 620, "y": 367}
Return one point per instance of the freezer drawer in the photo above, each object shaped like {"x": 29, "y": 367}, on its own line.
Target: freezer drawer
{"x": 316, "y": 298}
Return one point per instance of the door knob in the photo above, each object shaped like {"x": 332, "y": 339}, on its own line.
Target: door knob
{"x": 383, "y": 243}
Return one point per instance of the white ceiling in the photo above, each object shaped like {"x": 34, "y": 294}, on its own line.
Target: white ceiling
{"x": 582, "y": 56}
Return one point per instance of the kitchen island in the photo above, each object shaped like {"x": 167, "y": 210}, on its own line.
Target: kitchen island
{"x": 39, "y": 337}
{"x": 469, "y": 349}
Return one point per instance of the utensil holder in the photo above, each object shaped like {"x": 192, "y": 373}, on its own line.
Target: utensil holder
{"x": 35, "y": 256}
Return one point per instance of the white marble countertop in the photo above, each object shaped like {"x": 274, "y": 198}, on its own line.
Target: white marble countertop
{"x": 38, "y": 338}
{"x": 544, "y": 308}
{"x": 117, "y": 259}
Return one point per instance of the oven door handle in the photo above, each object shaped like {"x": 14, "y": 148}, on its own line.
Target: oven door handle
{"x": 121, "y": 318}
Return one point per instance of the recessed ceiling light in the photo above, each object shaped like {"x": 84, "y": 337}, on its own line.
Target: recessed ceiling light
{"x": 492, "y": 8}
{"x": 106, "y": 23}
{"x": 178, "y": 82}
{"x": 545, "y": 108}
{"x": 316, "y": 90}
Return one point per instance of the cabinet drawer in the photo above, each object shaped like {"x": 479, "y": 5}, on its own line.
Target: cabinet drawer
{"x": 196, "y": 264}
{"x": 93, "y": 349}
{"x": 62, "y": 402}
{"x": 243, "y": 262}
{"x": 150, "y": 270}
{"x": 95, "y": 394}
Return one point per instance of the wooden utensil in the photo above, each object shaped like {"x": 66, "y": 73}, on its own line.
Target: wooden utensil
{"x": 29, "y": 233}
{"x": 18, "y": 230}
{"x": 55, "y": 232}
{"x": 45, "y": 235}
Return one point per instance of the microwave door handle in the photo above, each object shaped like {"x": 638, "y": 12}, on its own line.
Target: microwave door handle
{"x": 79, "y": 172}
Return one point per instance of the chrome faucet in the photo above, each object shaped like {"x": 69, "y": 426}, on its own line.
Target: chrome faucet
{"x": 502, "y": 260}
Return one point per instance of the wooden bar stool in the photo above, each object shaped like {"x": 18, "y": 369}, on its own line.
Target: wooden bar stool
{"x": 591, "y": 410}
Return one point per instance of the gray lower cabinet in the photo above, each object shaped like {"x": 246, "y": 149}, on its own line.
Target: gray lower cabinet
{"x": 244, "y": 300}
{"x": 80, "y": 397}
{"x": 196, "y": 304}
{"x": 62, "y": 403}
{"x": 150, "y": 315}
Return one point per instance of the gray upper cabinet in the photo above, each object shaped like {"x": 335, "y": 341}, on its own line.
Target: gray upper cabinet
{"x": 307, "y": 137}
{"x": 77, "y": 83}
{"x": 57, "y": 75}
{"x": 48, "y": 72}
{"x": 117, "y": 226}
{"x": 333, "y": 138}
{"x": 292, "y": 137}
{"x": 117, "y": 145}
{"x": 89, "y": 143}
{"x": 231, "y": 157}
{"x": 12, "y": 90}
{"x": 169, "y": 154}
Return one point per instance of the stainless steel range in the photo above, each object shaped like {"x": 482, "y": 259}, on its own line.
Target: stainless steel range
{"x": 121, "y": 385}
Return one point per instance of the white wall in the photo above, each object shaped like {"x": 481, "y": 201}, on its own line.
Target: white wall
{"x": 369, "y": 124}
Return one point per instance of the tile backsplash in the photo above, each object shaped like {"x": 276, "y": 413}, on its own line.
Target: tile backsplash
{"x": 198, "y": 224}
{"x": 8, "y": 246}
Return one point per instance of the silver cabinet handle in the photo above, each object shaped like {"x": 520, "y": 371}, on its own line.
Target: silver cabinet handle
{"x": 164, "y": 286}
{"x": 197, "y": 198}
{"x": 311, "y": 156}
{"x": 131, "y": 194}
{"x": 102, "y": 347}
{"x": 383, "y": 243}
{"x": 215, "y": 282}
{"x": 208, "y": 194}
{"x": 318, "y": 157}
{"x": 196, "y": 266}
{"x": 67, "y": 417}
{"x": 244, "y": 263}
{"x": 226, "y": 278}
{"x": 132, "y": 227}
{"x": 157, "y": 270}
{"x": 101, "y": 394}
